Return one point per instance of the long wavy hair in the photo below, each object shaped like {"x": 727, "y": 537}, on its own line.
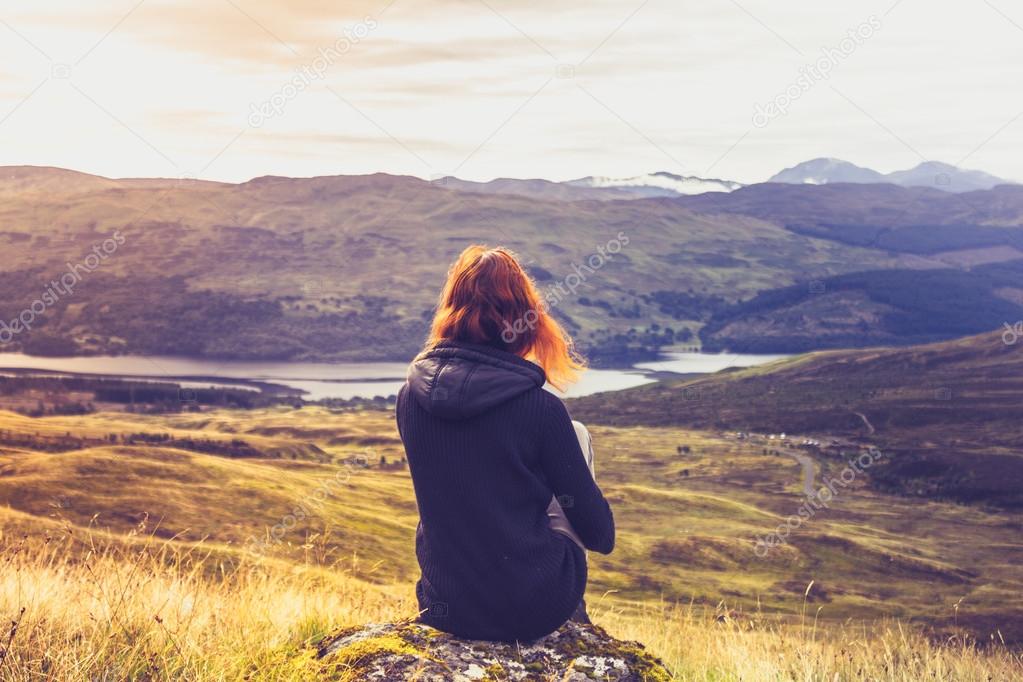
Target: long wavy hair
{"x": 490, "y": 299}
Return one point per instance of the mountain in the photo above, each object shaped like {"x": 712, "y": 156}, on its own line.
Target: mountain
{"x": 934, "y": 174}
{"x": 960, "y": 264}
{"x": 659, "y": 184}
{"x": 826, "y": 171}
{"x": 347, "y": 267}
{"x": 945, "y": 177}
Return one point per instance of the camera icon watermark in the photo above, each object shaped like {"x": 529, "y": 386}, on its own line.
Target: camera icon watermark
{"x": 943, "y": 180}
{"x": 1012, "y": 333}
{"x": 188, "y": 396}
{"x": 691, "y": 394}
{"x": 943, "y": 393}
{"x": 817, "y": 286}
{"x": 566, "y": 501}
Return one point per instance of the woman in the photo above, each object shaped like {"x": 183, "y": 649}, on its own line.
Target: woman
{"x": 490, "y": 451}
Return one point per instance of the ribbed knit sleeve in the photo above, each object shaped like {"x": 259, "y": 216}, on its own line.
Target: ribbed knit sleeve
{"x": 565, "y": 467}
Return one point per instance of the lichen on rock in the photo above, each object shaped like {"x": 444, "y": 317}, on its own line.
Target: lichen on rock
{"x": 409, "y": 650}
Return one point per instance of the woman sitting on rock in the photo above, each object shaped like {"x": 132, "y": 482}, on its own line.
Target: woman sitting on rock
{"x": 503, "y": 476}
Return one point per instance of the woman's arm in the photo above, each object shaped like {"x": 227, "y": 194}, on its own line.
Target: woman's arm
{"x": 565, "y": 467}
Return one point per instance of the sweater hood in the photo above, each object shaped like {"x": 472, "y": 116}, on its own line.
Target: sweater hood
{"x": 456, "y": 380}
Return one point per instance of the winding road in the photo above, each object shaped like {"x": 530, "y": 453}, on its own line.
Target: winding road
{"x": 809, "y": 470}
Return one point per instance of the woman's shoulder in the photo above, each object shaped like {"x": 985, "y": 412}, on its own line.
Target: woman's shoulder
{"x": 553, "y": 406}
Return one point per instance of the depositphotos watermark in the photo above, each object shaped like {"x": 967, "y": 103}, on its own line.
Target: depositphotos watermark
{"x": 553, "y": 295}
{"x": 274, "y": 106}
{"x": 1012, "y": 333}
{"x": 819, "y": 500}
{"x": 60, "y": 287}
{"x": 811, "y": 74}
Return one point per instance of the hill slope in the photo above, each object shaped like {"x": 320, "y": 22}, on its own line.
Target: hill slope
{"x": 689, "y": 506}
{"x": 949, "y": 414}
{"x": 349, "y": 267}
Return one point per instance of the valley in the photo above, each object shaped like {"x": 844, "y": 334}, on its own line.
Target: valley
{"x": 948, "y": 413}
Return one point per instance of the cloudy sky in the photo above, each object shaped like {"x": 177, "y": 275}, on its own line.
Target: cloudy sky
{"x": 231, "y": 89}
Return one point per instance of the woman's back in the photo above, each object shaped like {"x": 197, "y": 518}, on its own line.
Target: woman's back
{"x": 487, "y": 447}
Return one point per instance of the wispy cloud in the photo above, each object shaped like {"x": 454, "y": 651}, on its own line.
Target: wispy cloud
{"x": 431, "y": 87}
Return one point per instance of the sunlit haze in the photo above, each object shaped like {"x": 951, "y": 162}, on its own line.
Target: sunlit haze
{"x": 489, "y": 88}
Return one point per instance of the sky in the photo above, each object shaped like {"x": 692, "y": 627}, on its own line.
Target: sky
{"x": 736, "y": 89}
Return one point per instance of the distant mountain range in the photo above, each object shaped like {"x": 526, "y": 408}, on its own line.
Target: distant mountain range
{"x": 17, "y": 179}
{"x": 935, "y": 174}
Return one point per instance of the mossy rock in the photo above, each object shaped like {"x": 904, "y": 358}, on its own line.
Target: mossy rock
{"x": 410, "y": 650}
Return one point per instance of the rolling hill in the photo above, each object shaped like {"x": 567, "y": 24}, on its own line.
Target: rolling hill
{"x": 949, "y": 415}
{"x": 348, "y": 267}
{"x": 689, "y": 505}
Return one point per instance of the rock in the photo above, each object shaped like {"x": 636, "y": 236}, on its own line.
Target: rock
{"x": 410, "y": 650}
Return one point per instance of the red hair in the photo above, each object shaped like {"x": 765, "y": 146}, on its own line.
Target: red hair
{"x": 490, "y": 299}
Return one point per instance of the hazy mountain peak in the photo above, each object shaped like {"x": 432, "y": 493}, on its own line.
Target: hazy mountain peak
{"x": 937, "y": 174}
{"x": 824, "y": 171}
{"x": 935, "y": 165}
{"x": 946, "y": 177}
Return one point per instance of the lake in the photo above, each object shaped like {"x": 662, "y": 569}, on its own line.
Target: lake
{"x": 320, "y": 380}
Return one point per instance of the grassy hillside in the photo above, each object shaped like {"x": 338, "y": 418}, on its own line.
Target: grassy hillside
{"x": 155, "y": 611}
{"x": 348, "y": 267}
{"x": 160, "y": 612}
{"x": 950, "y": 414}
{"x": 330, "y": 493}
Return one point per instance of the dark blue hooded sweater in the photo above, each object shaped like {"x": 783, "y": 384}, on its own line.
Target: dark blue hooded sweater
{"x": 487, "y": 447}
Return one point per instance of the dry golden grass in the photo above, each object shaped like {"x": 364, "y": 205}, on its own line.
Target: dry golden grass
{"x": 181, "y": 598}
{"x": 88, "y": 607}
{"x": 140, "y": 608}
